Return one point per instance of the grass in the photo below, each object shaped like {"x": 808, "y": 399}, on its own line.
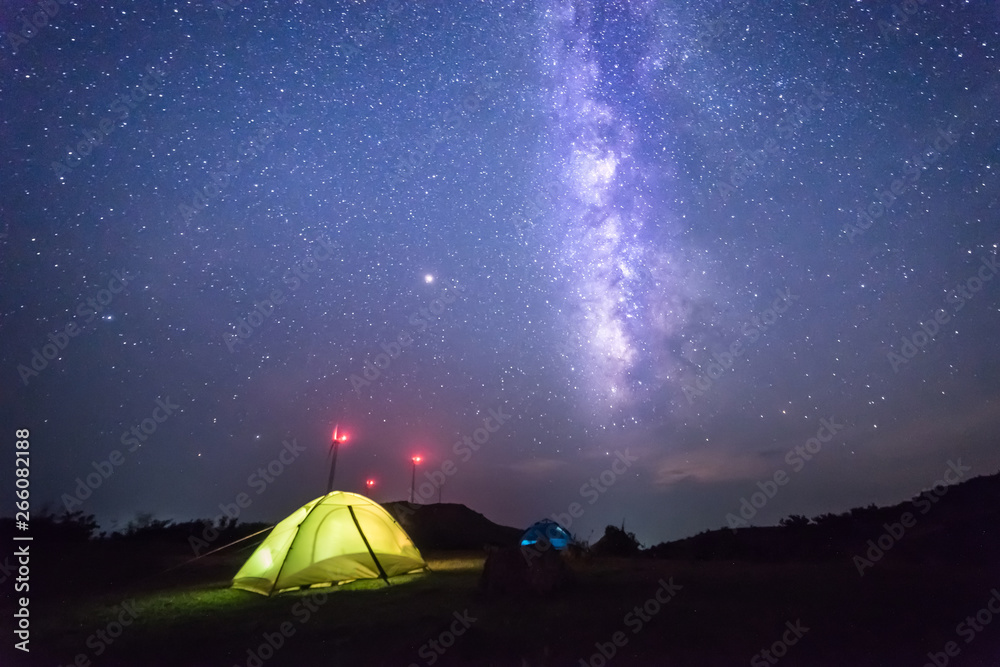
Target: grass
{"x": 724, "y": 614}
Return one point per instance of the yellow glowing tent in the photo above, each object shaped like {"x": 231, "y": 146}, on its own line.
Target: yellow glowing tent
{"x": 336, "y": 538}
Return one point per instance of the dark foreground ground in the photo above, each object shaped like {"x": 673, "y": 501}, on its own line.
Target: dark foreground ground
{"x": 724, "y": 613}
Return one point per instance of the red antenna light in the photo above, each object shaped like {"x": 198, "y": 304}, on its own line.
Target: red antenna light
{"x": 370, "y": 483}
{"x": 413, "y": 476}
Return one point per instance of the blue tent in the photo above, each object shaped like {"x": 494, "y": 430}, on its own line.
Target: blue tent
{"x": 549, "y": 531}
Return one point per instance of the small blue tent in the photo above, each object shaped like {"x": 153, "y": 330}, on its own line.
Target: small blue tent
{"x": 549, "y": 531}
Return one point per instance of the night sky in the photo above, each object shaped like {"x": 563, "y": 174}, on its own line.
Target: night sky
{"x": 663, "y": 239}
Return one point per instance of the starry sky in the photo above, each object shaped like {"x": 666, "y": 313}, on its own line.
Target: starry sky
{"x": 628, "y": 255}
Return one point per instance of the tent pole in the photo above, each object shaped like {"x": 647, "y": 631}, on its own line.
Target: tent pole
{"x": 381, "y": 572}
{"x": 291, "y": 543}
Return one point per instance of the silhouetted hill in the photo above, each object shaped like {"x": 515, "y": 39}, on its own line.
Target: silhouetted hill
{"x": 450, "y": 526}
{"x": 947, "y": 525}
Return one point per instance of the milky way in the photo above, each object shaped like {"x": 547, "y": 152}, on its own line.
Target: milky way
{"x": 627, "y": 295}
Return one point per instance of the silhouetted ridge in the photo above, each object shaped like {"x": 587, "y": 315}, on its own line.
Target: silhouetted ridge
{"x": 956, "y": 524}
{"x": 450, "y": 526}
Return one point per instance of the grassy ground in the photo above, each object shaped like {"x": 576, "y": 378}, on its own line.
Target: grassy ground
{"x": 723, "y": 615}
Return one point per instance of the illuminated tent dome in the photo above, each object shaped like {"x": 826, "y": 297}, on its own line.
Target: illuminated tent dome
{"x": 336, "y": 538}
{"x": 549, "y": 531}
